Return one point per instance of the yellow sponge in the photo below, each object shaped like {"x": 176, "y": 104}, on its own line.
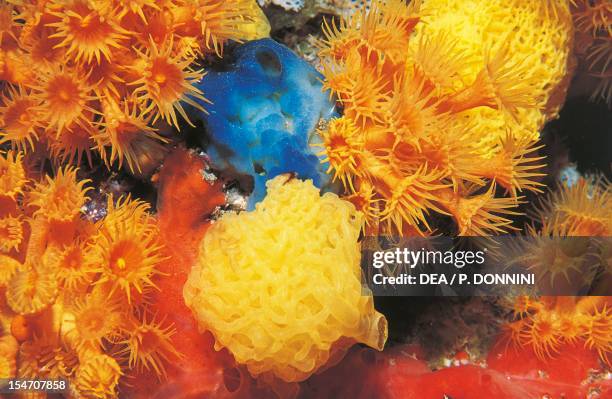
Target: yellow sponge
{"x": 280, "y": 286}
{"x": 537, "y": 34}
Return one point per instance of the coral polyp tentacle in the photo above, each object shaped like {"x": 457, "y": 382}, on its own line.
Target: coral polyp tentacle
{"x": 64, "y": 96}
{"x": 148, "y": 343}
{"x": 127, "y": 248}
{"x": 88, "y": 33}
{"x": 19, "y": 124}
{"x": 167, "y": 80}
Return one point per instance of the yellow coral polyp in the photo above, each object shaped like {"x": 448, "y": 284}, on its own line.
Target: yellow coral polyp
{"x": 32, "y": 288}
{"x": 70, "y": 261}
{"x": 97, "y": 377}
{"x": 148, "y": 344}
{"x": 18, "y": 122}
{"x": 546, "y": 323}
{"x": 599, "y": 332}
{"x": 272, "y": 300}
{"x": 12, "y": 174}
{"x": 11, "y": 233}
{"x": 74, "y": 141}
{"x": 167, "y": 80}
{"x": 86, "y": 32}
{"x": 128, "y": 134}
{"x": 60, "y": 198}
{"x": 7, "y": 269}
{"x": 584, "y": 209}
{"x": 64, "y": 97}
{"x": 127, "y": 248}
{"x": 46, "y": 357}
{"x": 95, "y": 318}
{"x": 219, "y": 21}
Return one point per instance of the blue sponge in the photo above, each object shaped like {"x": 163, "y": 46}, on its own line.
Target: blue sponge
{"x": 265, "y": 109}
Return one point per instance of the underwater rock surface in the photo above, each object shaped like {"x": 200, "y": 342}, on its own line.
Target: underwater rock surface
{"x": 264, "y": 114}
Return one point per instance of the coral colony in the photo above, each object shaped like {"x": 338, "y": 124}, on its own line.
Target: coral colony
{"x": 130, "y": 129}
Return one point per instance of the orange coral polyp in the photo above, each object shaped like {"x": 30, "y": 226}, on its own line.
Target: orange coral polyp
{"x": 104, "y": 77}
{"x": 12, "y": 174}
{"x": 35, "y": 38}
{"x": 32, "y": 288}
{"x": 543, "y": 334}
{"x": 127, "y": 248}
{"x": 46, "y": 357}
{"x": 96, "y": 318}
{"x": 11, "y": 233}
{"x": 149, "y": 345}
{"x": 581, "y": 210}
{"x": 74, "y": 55}
{"x": 87, "y": 33}
{"x": 64, "y": 97}
{"x": 218, "y": 21}
{"x": 74, "y": 289}
{"x": 342, "y": 147}
{"x": 70, "y": 261}
{"x": 126, "y": 130}
{"x": 592, "y": 16}
{"x": 7, "y": 25}
{"x": 167, "y": 81}
{"x": 429, "y": 116}
{"x": 72, "y": 143}
{"x": 18, "y": 120}
{"x": 546, "y": 323}
{"x": 599, "y": 333}
{"x": 98, "y": 376}
{"x": 60, "y": 198}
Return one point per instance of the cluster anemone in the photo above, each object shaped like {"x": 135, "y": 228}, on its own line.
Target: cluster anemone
{"x": 297, "y": 313}
{"x": 18, "y": 120}
{"x": 46, "y": 357}
{"x": 593, "y": 24}
{"x": 59, "y": 198}
{"x": 11, "y": 233}
{"x": 126, "y": 248}
{"x": 85, "y": 75}
{"x": 149, "y": 347}
{"x": 441, "y": 117}
{"x": 550, "y": 322}
{"x": 582, "y": 209}
{"x": 97, "y": 377}
{"x": 12, "y": 176}
{"x": 166, "y": 82}
{"x": 75, "y": 291}
{"x": 8, "y": 351}
{"x": 567, "y": 243}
